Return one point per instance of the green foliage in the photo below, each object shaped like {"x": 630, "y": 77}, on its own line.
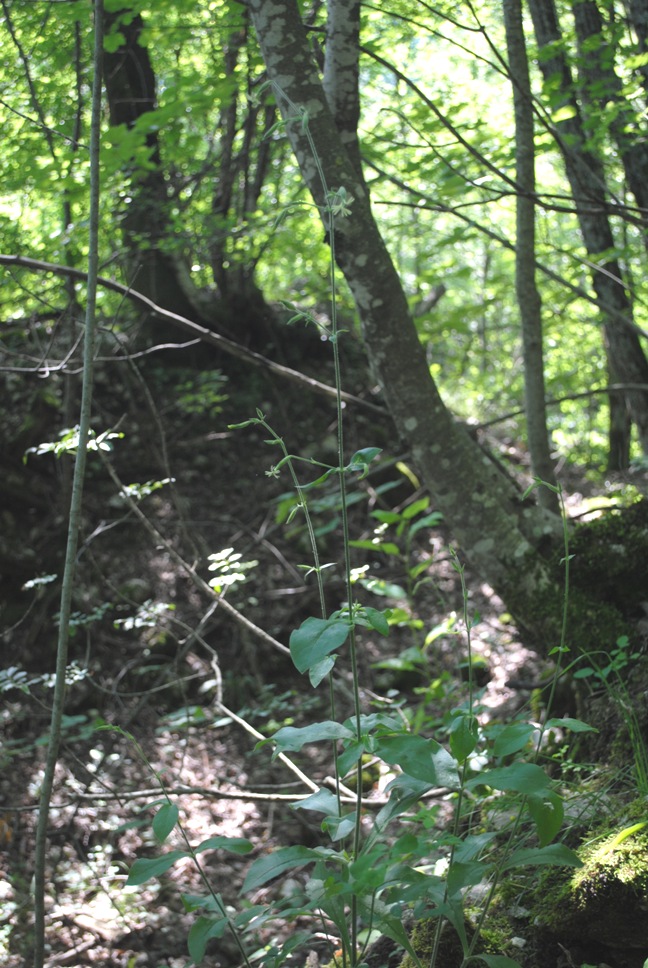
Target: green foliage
{"x": 404, "y": 524}
{"x": 381, "y": 862}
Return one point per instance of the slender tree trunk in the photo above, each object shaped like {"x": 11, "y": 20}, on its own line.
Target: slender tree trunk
{"x": 528, "y": 296}
{"x": 502, "y": 535}
{"x": 587, "y": 180}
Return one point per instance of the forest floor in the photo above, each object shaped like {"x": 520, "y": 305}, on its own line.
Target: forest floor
{"x": 169, "y": 689}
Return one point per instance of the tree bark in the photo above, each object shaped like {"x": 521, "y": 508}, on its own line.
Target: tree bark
{"x": 586, "y": 177}
{"x": 131, "y": 92}
{"x": 528, "y": 296}
{"x": 341, "y": 74}
{"x": 502, "y": 535}
{"x": 601, "y": 87}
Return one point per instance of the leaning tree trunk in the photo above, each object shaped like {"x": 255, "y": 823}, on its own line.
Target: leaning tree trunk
{"x": 586, "y": 177}
{"x": 528, "y": 295}
{"x": 501, "y": 534}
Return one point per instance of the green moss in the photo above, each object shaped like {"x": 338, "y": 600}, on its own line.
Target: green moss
{"x": 422, "y": 940}
{"x": 606, "y": 582}
{"x": 606, "y": 900}
{"x": 495, "y": 938}
{"x": 609, "y": 556}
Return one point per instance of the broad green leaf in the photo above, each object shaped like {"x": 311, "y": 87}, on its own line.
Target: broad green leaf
{"x": 536, "y": 856}
{"x": 466, "y": 875}
{"x": 431, "y": 520}
{"x": 386, "y": 517}
{"x": 320, "y": 670}
{"x": 377, "y": 620}
{"x": 201, "y": 931}
{"x": 463, "y": 737}
{"x": 324, "y": 801}
{"x": 415, "y": 508}
{"x": 422, "y": 759}
{"x": 272, "y": 865}
{"x": 294, "y": 737}
{"x": 386, "y": 547}
{"x": 339, "y": 827}
{"x": 144, "y": 868}
{"x": 566, "y": 722}
{"x": 164, "y": 821}
{"x": 315, "y": 639}
{"x": 512, "y": 738}
{"x": 235, "y": 845}
{"x": 522, "y": 777}
{"x": 547, "y": 812}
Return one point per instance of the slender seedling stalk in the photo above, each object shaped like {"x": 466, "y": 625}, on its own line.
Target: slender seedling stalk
{"x": 76, "y": 500}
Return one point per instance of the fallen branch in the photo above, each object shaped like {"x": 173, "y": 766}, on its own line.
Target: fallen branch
{"x": 193, "y": 329}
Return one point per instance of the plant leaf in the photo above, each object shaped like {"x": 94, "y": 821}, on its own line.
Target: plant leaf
{"x": 235, "y": 845}
{"x": 294, "y": 737}
{"x": 269, "y": 866}
{"x": 547, "y": 812}
{"x": 144, "y": 868}
{"x": 463, "y": 737}
{"x": 324, "y": 801}
{"x": 536, "y": 856}
{"x": 512, "y": 738}
{"x": 377, "y": 620}
{"x": 522, "y": 777}
{"x": 315, "y": 639}
{"x": 320, "y": 670}
{"x": 164, "y": 821}
{"x": 422, "y": 759}
{"x": 566, "y": 722}
{"x": 201, "y": 931}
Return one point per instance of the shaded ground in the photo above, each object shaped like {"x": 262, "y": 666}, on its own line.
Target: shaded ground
{"x": 158, "y": 661}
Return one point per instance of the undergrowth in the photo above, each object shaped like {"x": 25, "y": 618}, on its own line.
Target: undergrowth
{"x": 384, "y": 860}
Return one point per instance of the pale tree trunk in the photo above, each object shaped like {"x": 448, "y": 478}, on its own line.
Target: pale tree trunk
{"x": 502, "y": 535}
{"x": 528, "y": 296}
{"x": 586, "y": 176}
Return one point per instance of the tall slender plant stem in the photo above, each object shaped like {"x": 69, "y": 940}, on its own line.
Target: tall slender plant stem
{"x": 75, "y": 501}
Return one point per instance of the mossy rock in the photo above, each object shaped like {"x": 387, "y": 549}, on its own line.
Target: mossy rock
{"x": 495, "y": 939}
{"x": 609, "y": 557}
{"x": 607, "y": 582}
{"x": 606, "y": 900}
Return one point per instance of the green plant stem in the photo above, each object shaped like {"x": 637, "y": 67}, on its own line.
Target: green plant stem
{"x": 464, "y": 766}
{"x": 346, "y": 537}
{"x": 58, "y": 702}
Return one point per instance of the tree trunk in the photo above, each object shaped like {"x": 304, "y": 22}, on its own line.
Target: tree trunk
{"x": 601, "y": 87}
{"x": 161, "y": 271}
{"x": 587, "y": 180}
{"x": 131, "y": 91}
{"x": 528, "y": 296}
{"x": 502, "y": 535}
